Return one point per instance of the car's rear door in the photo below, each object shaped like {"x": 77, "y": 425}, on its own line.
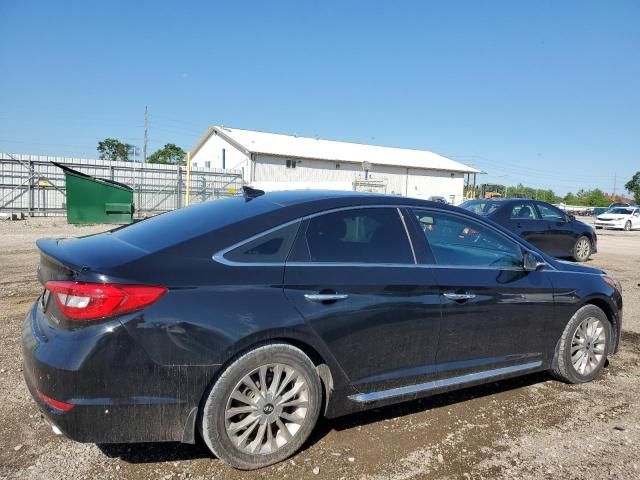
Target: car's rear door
{"x": 496, "y": 315}
{"x": 525, "y": 221}
{"x": 352, "y": 274}
{"x": 559, "y": 237}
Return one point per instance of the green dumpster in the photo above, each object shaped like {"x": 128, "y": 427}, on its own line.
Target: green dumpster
{"x": 96, "y": 200}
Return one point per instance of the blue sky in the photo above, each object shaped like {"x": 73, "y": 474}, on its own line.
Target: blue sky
{"x": 541, "y": 92}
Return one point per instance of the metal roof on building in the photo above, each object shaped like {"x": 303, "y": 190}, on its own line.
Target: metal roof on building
{"x": 277, "y": 144}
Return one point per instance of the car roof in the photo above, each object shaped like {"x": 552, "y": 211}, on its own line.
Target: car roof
{"x": 337, "y": 198}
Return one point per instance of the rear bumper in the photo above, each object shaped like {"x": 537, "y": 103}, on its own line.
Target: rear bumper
{"x": 117, "y": 394}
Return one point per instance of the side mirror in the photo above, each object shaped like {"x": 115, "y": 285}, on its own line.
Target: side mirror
{"x": 531, "y": 262}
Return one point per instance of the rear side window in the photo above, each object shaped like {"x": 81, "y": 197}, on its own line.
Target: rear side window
{"x": 523, "y": 211}
{"x": 459, "y": 241}
{"x": 272, "y": 247}
{"x": 365, "y": 235}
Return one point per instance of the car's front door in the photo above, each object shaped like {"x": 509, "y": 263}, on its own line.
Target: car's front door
{"x": 495, "y": 314}
{"x": 635, "y": 218}
{"x": 352, "y": 274}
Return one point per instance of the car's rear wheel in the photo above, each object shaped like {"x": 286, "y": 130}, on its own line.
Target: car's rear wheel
{"x": 583, "y": 348}
{"x": 582, "y": 249}
{"x": 627, "y": 226}
{"x": 263, "y": 407}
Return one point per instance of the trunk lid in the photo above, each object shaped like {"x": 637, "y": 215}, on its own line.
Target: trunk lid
{"x": 65, "y": 259}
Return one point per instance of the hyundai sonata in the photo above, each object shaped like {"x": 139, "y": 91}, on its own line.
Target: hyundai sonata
{"x": 245, "y": 319}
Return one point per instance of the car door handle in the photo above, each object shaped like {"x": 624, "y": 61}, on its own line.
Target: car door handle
{"x": 456, "y": 297}
{"x": 325, "y": 297}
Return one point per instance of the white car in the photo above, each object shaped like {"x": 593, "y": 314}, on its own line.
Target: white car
{"x": 626, "y": 218}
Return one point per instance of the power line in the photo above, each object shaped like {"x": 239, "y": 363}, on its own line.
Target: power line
{"x": 146, "y": 125}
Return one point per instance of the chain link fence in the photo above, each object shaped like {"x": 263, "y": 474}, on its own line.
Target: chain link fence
{"x": 32, "y": 185}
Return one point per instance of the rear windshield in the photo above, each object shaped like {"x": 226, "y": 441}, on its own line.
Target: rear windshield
{"x": 480, "y": 207}
{"x": 170, "y": 228}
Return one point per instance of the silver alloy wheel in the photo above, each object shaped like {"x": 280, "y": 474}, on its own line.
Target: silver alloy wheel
{"x": 583, "y": 248}
{"x": 588, "y": 345}
{"x": 267, "y": 408}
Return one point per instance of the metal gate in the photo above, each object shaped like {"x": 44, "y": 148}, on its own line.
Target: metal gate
{"x": 31, "y": 184}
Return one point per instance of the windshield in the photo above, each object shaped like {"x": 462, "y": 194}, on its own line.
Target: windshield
{"x": 621, "y": 211}
{"x": 480, "y": 207}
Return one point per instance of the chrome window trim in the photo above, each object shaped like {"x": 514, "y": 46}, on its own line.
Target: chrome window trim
{"x": 399, "y": 265}
{"x": 406, "y": 231}
{"x": 445, "y": 382}
{"x": 219, "y": 256}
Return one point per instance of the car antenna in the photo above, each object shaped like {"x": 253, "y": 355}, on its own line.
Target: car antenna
{"x": 250, "y": 193}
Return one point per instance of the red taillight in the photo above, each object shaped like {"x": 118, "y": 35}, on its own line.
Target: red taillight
{"x": 57, "y": 404}
{"x": 89, "y": 301}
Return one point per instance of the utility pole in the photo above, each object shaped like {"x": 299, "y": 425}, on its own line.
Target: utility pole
{"x": 146, "y": 126}
{"x": 615, "y": 182}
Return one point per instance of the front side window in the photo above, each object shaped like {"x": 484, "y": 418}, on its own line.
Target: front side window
{"x": 459, "y": 241}
{"x": 523, "y": 211}
{"x": 271, "y": 247}
{"x": 548, "y": 212}
{"x": 365, "y": 235}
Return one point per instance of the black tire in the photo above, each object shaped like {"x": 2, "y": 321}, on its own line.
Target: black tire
{"x": 582, "y": 249}
{"x": 213, "y": 426}
{"x": 563, "y": 367}
{"x": 627, "y": 226}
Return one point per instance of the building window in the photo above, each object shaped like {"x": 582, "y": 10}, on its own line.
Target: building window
{"x": 291, "y": 164}
{"x": 207, "y": 164}
{"x": 337, "y": 165}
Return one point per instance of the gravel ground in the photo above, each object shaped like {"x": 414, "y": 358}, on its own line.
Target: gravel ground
{"x": 531, "y": 427}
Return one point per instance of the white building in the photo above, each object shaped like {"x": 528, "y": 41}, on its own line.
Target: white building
{"x": 281, "y": 162}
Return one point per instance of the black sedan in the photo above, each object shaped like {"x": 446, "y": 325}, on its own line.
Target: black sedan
{"x": 247, "y": 318}
{"x": 547, "y": 227}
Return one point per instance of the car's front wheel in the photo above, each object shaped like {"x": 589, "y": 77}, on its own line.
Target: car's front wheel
{"x": 263, "y": 407}
{"x": 583, "y": 347}
{"x": 627, "y": 226}
{"x": 582, "y": 249}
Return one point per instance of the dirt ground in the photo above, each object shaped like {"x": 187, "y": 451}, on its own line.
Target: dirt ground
{"x": 531, "y": 427}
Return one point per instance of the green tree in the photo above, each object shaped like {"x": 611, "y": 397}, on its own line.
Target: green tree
{"x": 521, "y": 191}
{"x": 597, "y": 198}
{"x": 113, "y": 149}
{"x": 633, "y": 186}
{"x": 588, "y": 198}
{"x": 170, "y": 153}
